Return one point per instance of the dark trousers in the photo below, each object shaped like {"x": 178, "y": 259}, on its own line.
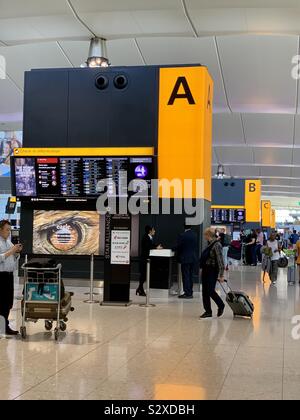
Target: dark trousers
{"x": 258, "y": 252}
{"x": 253, "y": 254}
{"x": 209, "y": 281}
{"x": 143, "y": 274}
{"x": 187, "y": 271}
{"x": 6, "y": 294}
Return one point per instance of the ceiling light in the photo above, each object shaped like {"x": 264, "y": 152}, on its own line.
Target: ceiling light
{"x": 220, "y": 172}
{"x": 97, "y": 53}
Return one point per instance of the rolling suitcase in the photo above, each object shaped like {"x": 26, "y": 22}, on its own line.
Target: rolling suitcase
{"x": 239, "y": 302}
{"x": 291, "y": 275}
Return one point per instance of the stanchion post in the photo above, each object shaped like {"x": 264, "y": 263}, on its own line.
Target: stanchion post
{"x": 147, "y": 304}
{"x": 179, "y": 279}
{"x": 91, "y": 299}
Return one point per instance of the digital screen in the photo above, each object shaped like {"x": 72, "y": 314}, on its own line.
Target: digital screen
{"x": 71, "y": 177}
{"x": 66, "y": 232}
{"x": 94, "y": 170}
{"x": 228, "y": 216}
{"x": 236, "y": 236}
{"x": 141, "y": 172}
{"x": 116, "y": 171}
{"x": 48, "y": 176}
{"x": 25, "y": 177}
{"x": 77, "y": 177}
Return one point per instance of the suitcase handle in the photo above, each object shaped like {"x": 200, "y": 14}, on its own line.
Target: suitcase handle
{"x": 225, "y": 281}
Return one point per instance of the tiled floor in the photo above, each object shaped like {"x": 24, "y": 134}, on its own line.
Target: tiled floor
{"x": 163, "y": 352}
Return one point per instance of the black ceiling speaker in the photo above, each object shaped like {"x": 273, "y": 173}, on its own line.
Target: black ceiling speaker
{"x": 101, "y": 82}
{"x": 120, "y": 81}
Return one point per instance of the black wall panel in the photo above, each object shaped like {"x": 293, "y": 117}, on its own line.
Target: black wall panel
{"x": 229, "y": 192}
{"x": 46, "y": 108}
{"x": 64, "y": 108}
{"x": 89, "y": 110}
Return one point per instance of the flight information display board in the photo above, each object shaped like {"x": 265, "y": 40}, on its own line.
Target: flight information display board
{"x": 227, "y": 216}
{"x": 77, "y": 177}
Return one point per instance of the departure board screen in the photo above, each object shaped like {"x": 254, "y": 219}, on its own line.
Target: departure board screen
{"x": 117, "y": 174}
{"x": 227, "y": 216}
{"x": 71, "y": 177}
{"x": 77, "y": 177}
{"x": 93, "y": 169}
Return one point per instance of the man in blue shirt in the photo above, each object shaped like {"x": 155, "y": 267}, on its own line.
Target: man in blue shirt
{"x": 294, "y": 238}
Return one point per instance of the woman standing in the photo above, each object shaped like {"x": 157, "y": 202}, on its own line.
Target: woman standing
{"x": 273, "y": 244}
{"x": 212, "y": 265}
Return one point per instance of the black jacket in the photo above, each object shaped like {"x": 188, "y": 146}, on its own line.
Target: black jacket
{"x": 187, "y": 247}
{"x": 146, "y": 246}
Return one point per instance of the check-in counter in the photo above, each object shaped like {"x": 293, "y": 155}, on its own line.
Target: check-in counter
{"x": 161, "y": 268}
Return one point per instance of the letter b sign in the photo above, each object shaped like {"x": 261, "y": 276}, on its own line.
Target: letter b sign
{"x": 252, "y": 187}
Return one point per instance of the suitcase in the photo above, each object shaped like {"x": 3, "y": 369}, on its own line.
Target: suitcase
{"x": 291, "y": 274}
{"x": 239, "y": 302}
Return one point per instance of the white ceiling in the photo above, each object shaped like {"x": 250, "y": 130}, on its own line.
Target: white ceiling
{"x": 247, "y": 48}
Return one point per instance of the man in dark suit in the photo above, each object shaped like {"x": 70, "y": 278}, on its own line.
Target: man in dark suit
{"x": 146, "y": 245}
{"x": 187, "y": 255}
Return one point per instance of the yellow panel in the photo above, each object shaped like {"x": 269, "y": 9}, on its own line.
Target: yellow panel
{"x": 185, "y": 128}
{"x": 13, "y": 199}
{"x": 85, "y": 151}
{"x": 253, "y": 200}
{"x": 266, "y": 213}
{"x": 273, "y": 218}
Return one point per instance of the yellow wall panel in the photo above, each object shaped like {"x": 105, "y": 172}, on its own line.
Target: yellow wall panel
{"x": 253, "y": 200}
{"x": 185, "y": 127}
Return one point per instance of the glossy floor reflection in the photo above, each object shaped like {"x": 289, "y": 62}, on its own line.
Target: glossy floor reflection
{"x": 163, "y": 352}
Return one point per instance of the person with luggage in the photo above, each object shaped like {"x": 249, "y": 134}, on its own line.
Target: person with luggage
{"x": 8, "y": 258}
{"x": 212, "y": 266}
{"x": 273, "y": 244}
{"x": 186, "y": 249}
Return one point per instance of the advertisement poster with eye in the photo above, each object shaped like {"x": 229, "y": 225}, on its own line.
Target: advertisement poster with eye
{"x": 64, "y": 232}
{"x": 120, "y": 247}
{"x": 9, "y": 140}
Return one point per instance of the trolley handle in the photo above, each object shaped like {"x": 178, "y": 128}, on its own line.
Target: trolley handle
{"x": 41, "y": 268}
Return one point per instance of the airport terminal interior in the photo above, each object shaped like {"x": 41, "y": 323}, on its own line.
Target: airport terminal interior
{"x": 149, "y": 200}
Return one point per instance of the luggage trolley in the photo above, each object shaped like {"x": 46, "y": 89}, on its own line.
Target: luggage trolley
{"x": 42, "y": 299}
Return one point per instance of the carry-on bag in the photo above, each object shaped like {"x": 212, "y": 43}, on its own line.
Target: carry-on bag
{"x": 283, "y": 260}
{"x": 239, "y": 302}
{"x": 291, "y": 274}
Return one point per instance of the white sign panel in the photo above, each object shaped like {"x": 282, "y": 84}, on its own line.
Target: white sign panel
{"x": 120, "y": 247}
